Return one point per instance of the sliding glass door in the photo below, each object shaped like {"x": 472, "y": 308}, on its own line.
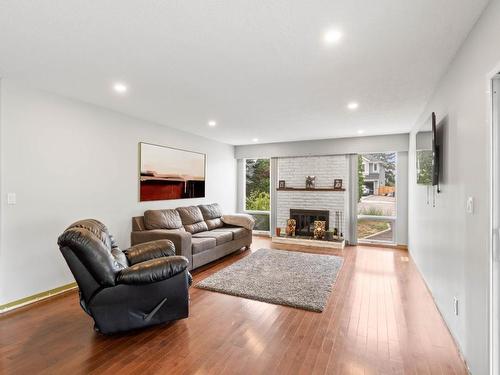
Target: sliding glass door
{"x": 377, "y": 198}
{"x": 257, "y": 193}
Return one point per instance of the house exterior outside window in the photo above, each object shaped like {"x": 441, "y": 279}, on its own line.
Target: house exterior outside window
{"x": 257, "y": 197}
{"x": 374, "y": 174}
{"x": 377, "y": 214}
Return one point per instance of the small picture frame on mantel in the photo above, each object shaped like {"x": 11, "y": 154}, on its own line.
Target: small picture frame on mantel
{"x": 281, "y": 184}
{"x": 337, "y": 184}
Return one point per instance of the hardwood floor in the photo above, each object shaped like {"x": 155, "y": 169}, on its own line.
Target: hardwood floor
{"x": 380, "y": 319}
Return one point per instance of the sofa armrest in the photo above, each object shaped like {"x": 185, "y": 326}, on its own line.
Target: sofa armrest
{"x": 239, "y": 220}
{"x": 150, "y": 250}
{"x": 152, "y": 271}
{"x": 181, "y": 240}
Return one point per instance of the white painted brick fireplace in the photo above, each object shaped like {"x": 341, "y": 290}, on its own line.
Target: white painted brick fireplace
{"x": 294, "y": 171}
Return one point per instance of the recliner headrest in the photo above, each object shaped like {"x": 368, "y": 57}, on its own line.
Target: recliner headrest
{"x": 93, "y": 245}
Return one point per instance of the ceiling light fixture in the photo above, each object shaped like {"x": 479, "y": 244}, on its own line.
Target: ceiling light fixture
{"x": 255, "y": 139}
{"x": 332, "y": 36}
{"x": 352, "y": 106}
{"x": 212, "y": 123}
{"x": 361, "y": 131}
{"x": 120, "y": 88}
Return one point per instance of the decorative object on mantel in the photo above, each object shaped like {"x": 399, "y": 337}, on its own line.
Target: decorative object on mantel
{"x": 278, "y": 231}
{"x": 290, "y": 227}
{"x": 282, "y": 184}
{"x": 319, "y": 229}
{"x": 337, "y": 184}
{"x": 310, "y": 182}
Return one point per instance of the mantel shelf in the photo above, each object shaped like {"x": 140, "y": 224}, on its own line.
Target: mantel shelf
{"x": 304, "y": 189}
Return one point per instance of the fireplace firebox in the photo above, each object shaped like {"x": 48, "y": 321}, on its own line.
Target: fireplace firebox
{"x": 305, "y": 220}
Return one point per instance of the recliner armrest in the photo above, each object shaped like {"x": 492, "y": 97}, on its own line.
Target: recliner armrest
{"x": 152, "y": 271}
{"x": 181, "y": 240}
{"x": 150, "y": 250}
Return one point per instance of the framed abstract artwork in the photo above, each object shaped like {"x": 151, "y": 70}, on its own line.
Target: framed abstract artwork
{"x": 170, "y": 173}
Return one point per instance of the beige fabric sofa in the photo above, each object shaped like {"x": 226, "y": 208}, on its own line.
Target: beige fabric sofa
{"x": 197, "y": 232}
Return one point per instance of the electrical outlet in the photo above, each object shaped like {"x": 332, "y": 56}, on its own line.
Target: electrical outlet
{"x": 455, "y": 305}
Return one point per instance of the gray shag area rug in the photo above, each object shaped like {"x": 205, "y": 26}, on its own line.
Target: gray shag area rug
{"x": 281, "y": 277}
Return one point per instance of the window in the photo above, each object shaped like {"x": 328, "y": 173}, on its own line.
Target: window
{"x": 364, "y": 167}
{"x": 377, "y": 214}
{"x": 257, "y": 192}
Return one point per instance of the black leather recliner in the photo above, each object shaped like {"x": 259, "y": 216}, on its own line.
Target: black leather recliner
{"x": 122, "y": 290}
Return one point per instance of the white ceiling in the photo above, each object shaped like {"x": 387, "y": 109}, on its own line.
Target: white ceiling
{"x": 259, "y": 68}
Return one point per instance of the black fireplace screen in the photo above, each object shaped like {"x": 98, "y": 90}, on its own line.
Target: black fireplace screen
{"x": 305, "y": 220}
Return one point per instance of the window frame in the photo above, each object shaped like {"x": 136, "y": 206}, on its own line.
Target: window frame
{"x": 392, "y": 219}
{"x": 244, "y": 197}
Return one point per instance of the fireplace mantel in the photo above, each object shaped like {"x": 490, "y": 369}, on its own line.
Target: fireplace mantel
{"x": 304, "y": 189}
{"x": 293, "y": 170}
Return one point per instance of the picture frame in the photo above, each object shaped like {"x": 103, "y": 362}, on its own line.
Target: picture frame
{"x": 281, "y": 184}
{"x": 170, "y": 173}
{"x": 337, "y": 184}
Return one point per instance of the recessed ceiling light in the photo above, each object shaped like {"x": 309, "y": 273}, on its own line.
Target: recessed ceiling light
{"x": 332, "y": 36}
{"x": 361, "y": 131}
{"x": 212, "y": 123}
{"x": 255, "y": 139}
{"x": 352, "y": 106}
{"x": 120, "y": 88}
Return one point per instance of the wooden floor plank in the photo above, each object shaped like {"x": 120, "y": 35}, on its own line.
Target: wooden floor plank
{"x": 380, "y": 319}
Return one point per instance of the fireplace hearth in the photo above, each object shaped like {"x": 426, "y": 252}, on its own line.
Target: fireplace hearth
{"x": 305, "y": 220}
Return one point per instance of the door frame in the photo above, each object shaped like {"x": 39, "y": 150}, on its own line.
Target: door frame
{"x": 493, "y": 115}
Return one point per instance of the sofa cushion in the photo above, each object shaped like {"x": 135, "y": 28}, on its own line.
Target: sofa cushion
{"x": 202, "y": 244}
{"x": 238, "y": 232}
{"x": 162, "y": 219}
{"x": 214, "y": 223}
{"x": 220, "y": 237}
{"x": 211, "y": 214}
{"x": 197, "y": 227}
{"x": 192, "y": 219}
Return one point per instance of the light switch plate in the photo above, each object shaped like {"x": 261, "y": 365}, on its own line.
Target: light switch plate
{"x": 11, "y": 198}
{"x": 469, "y": 208}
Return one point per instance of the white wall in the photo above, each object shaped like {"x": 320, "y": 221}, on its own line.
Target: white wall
{"x": 450, "y": 247}
{"x": 67, "y": 160}
{"x": 337, "y": 146}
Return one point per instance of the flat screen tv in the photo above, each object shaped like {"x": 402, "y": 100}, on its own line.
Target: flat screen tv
{"x": 427, "y": 148}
